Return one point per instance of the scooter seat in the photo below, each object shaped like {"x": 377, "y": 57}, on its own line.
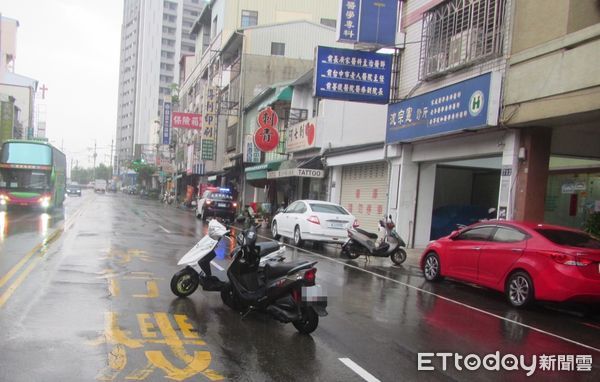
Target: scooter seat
{"x": 367, "y": 234}
{"x": 267, "y": 247}
{"x": 274, "y": 270}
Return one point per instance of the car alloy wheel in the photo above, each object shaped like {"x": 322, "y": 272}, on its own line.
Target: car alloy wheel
{"x": 297, "y": 237}
{"x": 519, "y": 289}
{"x": 431, "y": 268}
{"x": 274, "y": 232}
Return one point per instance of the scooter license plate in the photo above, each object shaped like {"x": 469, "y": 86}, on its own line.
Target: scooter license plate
{"x": 314, "y": 295}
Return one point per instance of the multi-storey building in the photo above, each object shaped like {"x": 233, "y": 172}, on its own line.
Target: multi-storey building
{"x": 244, "y": 47}
{"x": 154, "y": 36}
{"x": 15, "y": 87}
{"x": 552, "y": 97}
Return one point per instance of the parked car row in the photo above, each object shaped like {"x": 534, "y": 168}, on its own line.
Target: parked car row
{"x": 525, "y": 261}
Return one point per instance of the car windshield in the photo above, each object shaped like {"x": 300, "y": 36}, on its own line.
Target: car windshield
{"x": 220, "y": 196}
{"x": 570, "y": 238}
{"x": 328, "y": 208}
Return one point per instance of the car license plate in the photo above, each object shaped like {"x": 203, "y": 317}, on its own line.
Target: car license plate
{"x": 221, "y": 205}
{"x": 337, "y": 225}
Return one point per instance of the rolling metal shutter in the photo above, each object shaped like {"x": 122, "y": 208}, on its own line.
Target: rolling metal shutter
{"x": 364, "y": 192}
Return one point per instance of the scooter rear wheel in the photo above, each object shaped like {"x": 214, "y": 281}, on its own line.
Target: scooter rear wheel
{"x": 399, "y": 256}
{"x": 185, "y": 282}
{"x": 309, "y": 321}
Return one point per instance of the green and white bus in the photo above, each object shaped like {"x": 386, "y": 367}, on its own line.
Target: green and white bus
{"x": 32, "y": 173}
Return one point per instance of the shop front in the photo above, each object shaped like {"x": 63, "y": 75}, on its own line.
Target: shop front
{"x": 359, "y": 182}
{"x": 450, "y": 165}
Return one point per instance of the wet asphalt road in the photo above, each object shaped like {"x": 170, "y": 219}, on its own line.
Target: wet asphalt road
{"x": 84, "y": 296}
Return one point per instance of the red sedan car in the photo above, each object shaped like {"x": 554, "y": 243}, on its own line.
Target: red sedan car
{"x": 526, "y": 261}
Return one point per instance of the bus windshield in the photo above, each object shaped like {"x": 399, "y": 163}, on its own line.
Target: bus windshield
{"x": 26, "y": 153}
{"x": 16, "y": 179}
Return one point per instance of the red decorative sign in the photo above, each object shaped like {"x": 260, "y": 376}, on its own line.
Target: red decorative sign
{"x": 186, "y": 120}
{"x": 266, "y": 138}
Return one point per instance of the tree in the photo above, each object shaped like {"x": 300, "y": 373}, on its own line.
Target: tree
{"x": 103, "y": 172}
{"x": 144, "y": 171}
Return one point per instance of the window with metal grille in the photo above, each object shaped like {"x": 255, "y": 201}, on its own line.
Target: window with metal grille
{"x": 458, "y": 33}
{"x": 249, "y": 18}
{"x": 277, "y": 49}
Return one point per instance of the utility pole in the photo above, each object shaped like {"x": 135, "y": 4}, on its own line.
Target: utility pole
{"x": 112, "y": 161}
{"x": 95, "y": 155}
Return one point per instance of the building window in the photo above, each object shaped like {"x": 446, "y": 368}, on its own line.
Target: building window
{"x": 458, "y": 33}
{"x": 277, "y": 49}
{"x": 231, "y": 137}
{"x": 329, "y": 22}
{"x": 249, "y": 18}
{"x": 213, "y": 29}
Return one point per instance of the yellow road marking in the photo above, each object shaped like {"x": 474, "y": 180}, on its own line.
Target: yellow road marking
{"x": 47, "y": 241}
{"x": 11, "y": 289}
{"x": 197, "y": 364}
{"x": 19, "y": 265}
{"x": 113, "y": 287}
{"x": 152, "y": 288}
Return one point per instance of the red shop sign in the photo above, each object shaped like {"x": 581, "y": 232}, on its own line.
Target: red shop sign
{"x": 266, "y": 138}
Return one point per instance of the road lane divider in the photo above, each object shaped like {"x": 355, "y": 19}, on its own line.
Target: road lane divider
{"x": 358, "y": 370}
{"x": 40, "y": 249}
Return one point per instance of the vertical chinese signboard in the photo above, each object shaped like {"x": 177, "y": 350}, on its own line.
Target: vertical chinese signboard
{"x": 368, "y": 22}
{"x": 166, "y": 136}
{"x": 266, "y": 137}
{"x": 251, "y": 152}
{"x": 209, "y": 132}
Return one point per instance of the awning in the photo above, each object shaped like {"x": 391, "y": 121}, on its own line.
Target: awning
{"x": 260, "y": 171}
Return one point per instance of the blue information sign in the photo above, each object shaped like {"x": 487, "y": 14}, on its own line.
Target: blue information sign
{"x": 368, "y": 21}
{"x": 470, "y": 104}
{"x": 352, "y": 75}
{"x": 166, "y": 137}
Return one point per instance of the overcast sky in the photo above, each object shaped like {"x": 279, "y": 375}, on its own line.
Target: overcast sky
{"x": 72, "y": 47}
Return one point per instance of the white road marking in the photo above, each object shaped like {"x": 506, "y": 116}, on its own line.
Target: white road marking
{"x": 358, "y": 370}
{"x": 164, "y": 229}
{"x": 217, "y": 266}
{"x": 445, "y": 298}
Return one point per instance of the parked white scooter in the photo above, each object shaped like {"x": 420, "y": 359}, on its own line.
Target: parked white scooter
{"x": 197, "y": 261}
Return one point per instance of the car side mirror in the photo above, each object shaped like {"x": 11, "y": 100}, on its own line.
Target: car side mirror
{"x": 454, "y": 234}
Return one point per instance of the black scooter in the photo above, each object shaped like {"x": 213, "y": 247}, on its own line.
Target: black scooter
{"x": 258, "y": 280}
{"x": 361, "y": 242}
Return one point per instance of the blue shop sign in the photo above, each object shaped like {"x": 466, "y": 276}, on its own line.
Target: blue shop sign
{"x": 368, "y": 21}
{"x": 166, "y": 136}
{"x": 468, "y": 105}
{"x": 352, "y": 75}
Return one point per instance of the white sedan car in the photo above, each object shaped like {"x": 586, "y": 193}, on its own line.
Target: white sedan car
{"x": 313, "y": 220}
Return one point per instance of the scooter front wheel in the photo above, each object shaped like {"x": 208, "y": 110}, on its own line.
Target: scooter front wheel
{"x": 399, "y": 256}
{"x": 308, "y": 322}
{"x": 185, "y": 282}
